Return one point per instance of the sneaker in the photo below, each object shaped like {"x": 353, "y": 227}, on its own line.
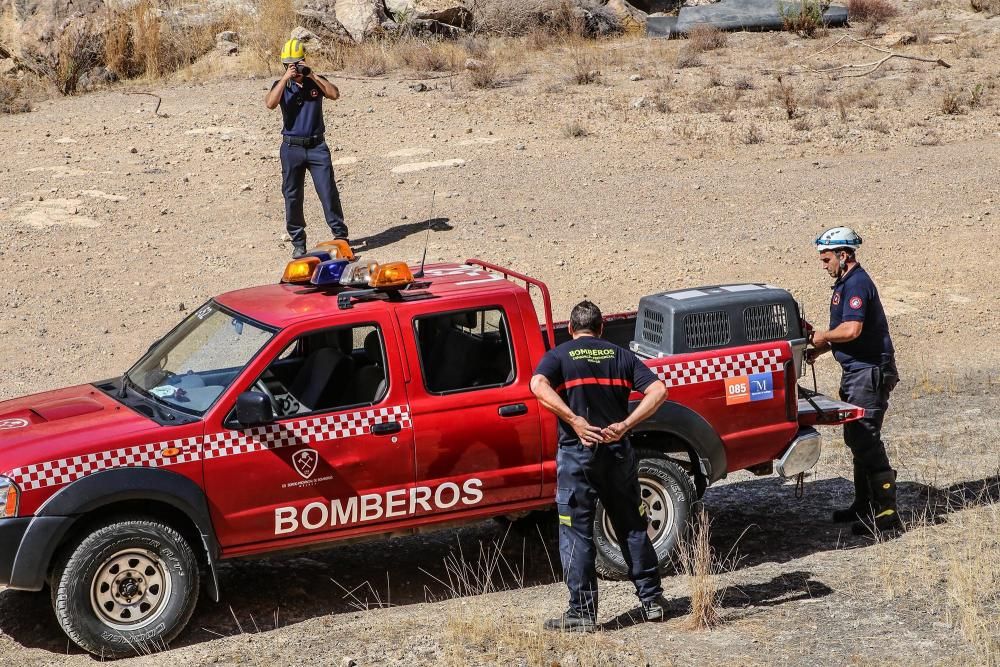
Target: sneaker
{"x": 571, "y": 622}
{"x": 298, "y": 251}
{"x": 655, "y": 610}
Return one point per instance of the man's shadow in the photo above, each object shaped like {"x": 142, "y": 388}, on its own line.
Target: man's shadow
{"x": 790, "y": 587}
{"x": 400, "y": 232}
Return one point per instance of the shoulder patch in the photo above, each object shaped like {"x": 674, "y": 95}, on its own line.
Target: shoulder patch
{"x": 855, "y": 302}
{"x": 836, "y": 299}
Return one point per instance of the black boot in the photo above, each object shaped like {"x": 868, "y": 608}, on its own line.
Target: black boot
{"x": 862, "y": 505}
{"x": 570, "y": 621}
{"x": 884, "y": 516}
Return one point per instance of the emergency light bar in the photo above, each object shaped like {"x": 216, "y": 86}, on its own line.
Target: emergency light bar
{"x": 326, "y": 267}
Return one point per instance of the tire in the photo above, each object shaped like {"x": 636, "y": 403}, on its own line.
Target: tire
{"x": 130, "y": 556}
{"x": 669, "y": 496}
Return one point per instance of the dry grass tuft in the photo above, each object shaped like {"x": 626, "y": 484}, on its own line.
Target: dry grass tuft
{"x": 705, "y": 38}
{"x": 697, "y": 560}
{"x": 80, "y": 48}
{"x": 951, "y": 103}
{"x": 10, "y": 97}
{"x": 485, "y": 73}
{"x": 784, "y": 93}
{"x": 583, "y": 66}
{"x": 687, "y": 57}
{"x": 751, "y": 135}
{"x": 368, "y": 58}
{"x": 434, "y": 56}
{"x": 575, "y": 130}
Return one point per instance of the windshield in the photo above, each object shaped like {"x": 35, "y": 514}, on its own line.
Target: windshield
{"x": 193, "y": 364}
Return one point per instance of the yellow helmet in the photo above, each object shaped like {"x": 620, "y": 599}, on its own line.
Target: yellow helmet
{"x": 293, "y": 51}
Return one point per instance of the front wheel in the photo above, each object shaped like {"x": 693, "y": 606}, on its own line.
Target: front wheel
{"x": 126, "y": 588}
{"x": 668, "y": 497}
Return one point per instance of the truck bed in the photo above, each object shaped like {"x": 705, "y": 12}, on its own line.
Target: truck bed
{"x": 618, "y": 329}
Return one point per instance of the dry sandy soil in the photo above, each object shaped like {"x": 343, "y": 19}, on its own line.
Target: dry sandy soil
{"x": 115, "y": 222}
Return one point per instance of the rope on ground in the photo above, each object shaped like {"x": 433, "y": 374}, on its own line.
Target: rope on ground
{"x": 156, "y": 111}
{"x": 851, "y": 70}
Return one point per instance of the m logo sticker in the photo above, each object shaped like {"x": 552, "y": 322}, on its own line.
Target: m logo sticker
{"x": 305, "y": 462}
{"x": 761, "y": 386}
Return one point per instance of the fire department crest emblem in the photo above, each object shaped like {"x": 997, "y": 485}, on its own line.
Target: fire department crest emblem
{"x": 305, "y": 462}
{"x": 836, "y": 299}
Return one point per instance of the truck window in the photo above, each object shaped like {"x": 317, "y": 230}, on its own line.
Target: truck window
{"x": 328, "y": 370}
{"x": 465, "y": 350}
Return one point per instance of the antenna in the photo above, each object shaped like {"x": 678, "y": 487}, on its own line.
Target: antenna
{"x": 427, "y": 234}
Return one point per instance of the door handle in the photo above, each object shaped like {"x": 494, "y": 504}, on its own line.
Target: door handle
{"x": 513, "y": 410}
{"x": 386, "y": 428}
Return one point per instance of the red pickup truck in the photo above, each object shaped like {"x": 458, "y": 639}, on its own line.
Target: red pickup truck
{"x": 356, "y": 400}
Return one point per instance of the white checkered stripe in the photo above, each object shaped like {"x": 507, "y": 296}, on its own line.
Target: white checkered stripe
{"x": 719, "y": 368}
{"x": 216, "y": 445}
{"x": 64, "y": 471}
{"x": 302, "y": 432}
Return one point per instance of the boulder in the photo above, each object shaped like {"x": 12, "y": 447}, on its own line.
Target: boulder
{"x": 321, "y": 18}
{"x": 38, "y": 25}
{"x": 631, "y": 18}
{"x": 898, "y": 39}
{"x": 451, "y": 12}
{"x": 226, "y": 43}
{"x": 361, "y": 18}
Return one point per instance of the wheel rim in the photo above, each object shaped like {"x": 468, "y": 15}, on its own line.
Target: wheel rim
{"x": 658, "y": 510}
{"x": 130, "y": 589}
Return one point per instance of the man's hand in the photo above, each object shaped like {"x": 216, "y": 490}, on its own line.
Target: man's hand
{"x": 615, "y": 432}
{"x": 589, "y": 435}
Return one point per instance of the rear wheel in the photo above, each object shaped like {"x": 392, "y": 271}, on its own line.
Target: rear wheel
{"x": 126, "y": 588}
{"x": 668, "y": 497}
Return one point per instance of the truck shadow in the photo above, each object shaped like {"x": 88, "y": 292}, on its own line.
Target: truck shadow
{"x": 761, "y": 520}
{"x": 398, "y": 233}
{"x": 753, "y": 522}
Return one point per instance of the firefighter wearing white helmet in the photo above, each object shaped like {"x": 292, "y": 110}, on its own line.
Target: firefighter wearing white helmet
{"x": 859, "y": 339}
{"x": 300, "y": 93}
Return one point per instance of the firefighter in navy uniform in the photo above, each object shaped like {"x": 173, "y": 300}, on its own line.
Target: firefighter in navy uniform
{"x": 300, "y": 93}
{"x": 586, "y": 383}
{"x": 860, "y": 341}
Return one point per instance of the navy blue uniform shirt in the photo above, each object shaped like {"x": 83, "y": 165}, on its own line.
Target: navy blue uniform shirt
{"x": 855, "y": 299}
{"x": 595, "y": 378}
{"x": 302, "y": 109}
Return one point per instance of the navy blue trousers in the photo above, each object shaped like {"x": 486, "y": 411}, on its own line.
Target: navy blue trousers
{"x": 295, "y": 162}
{"x": 869, "y": 388}
{"x": 608, "y": 473}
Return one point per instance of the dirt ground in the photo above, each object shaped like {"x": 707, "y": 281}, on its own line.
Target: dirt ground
{"x": 115, "y": 222}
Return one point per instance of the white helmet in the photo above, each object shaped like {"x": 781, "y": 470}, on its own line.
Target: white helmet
{"x": 838, "y": 238}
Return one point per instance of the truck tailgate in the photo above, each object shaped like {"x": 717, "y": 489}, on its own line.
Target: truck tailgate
{"x": 819, "y": 409}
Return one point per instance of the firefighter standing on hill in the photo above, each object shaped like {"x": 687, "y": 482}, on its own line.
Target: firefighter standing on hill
{"x": 300, "y": 93}
{"x": 860, "y": 341}
{"x": 586, "y": 383}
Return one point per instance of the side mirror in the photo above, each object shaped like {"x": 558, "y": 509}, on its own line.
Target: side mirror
{"x": 253, "y": 408}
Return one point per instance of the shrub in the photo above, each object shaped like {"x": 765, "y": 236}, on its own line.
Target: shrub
{"x": 743, "y": 83}
{"x": 706, "y": 38}
{"x": 80, "y": 49}
{"x": 806, "y": 21}
{"x": 751, "y": 135}
{"x": 583, "y": 66}
{"x": 785, "y": 94}
{"x": 872, "y": 11}
{"x": 486, "y": 73}
{"x": 367, "y": 58}
{"x": 951, "y": 103}
{"x": 575, "y": 130}
{"x": 10, "y": 97}
{"x": 687, "y": 58}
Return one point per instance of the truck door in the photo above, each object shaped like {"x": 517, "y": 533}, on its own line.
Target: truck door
{"x": 474, "y": 416}
{"x": 339, "y": 454}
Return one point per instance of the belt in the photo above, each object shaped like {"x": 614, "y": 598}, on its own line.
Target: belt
{"x": 305, "y": 142}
